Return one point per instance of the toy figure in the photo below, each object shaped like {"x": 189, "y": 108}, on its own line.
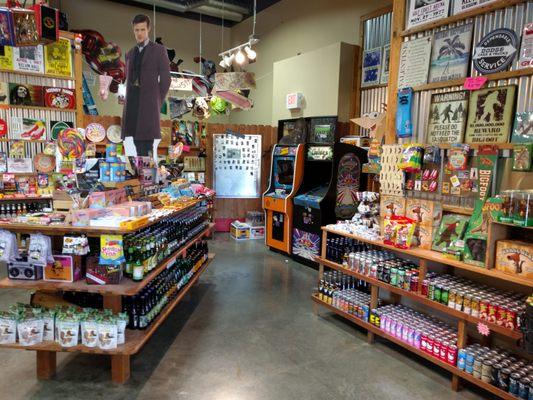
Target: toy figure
{"x": 515, "y": 259}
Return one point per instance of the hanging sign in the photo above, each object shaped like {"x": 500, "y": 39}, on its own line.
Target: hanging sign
{"x": 182, "y": 84}
{"x": 526, "y": 49}
{"x": 495, "y": 51}
{"x": 228, "y": 81}
{"x": 421, "y": 12}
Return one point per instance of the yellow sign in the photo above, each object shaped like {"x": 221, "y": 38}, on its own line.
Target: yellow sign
{"x": 6, "y": 61}
{"x": 58, "y": 58}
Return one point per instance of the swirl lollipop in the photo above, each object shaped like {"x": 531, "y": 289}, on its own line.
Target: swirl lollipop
{"x": 71, "y": 143}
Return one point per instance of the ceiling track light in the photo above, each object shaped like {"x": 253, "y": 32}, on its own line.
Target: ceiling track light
{"x": 239, "y": 54}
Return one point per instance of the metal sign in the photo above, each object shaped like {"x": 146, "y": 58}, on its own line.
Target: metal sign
{"x": 495, "y": 51}
{"x": 181, "y": 84}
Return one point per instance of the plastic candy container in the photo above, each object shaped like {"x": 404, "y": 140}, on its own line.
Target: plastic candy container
{"x": 412, "y": 157}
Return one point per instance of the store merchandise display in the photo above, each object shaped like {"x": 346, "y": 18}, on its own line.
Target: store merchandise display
{"x": 144, "y": 307}
{"x": 517, "y": 207}
{"x": 418, "y": 330}
{"x": 498, "y": 367}
{"x": 10, "y": 210}
{"x": 67, "y": 326}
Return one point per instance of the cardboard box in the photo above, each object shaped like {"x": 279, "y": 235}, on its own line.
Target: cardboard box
{"x": 425, "y": 212}
{"x": 239, "y": 230}
{"x": 257, "y": 232}
{"x": 514, "y": 257}
{"x": 63, "y": 269}
{"x": 391, "y": 205}
{"x": 83, "y": 217}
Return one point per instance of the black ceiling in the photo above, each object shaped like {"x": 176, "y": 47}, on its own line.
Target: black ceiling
{"x": 245, "y": 4}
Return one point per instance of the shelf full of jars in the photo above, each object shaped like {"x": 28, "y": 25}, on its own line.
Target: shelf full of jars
{"x": 111, "y": 290}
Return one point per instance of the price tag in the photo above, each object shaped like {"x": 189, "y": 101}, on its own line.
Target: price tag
{"x": 475, "y": 82}
{"x": 181, "y": 84}
{"x": 186, "y": 149}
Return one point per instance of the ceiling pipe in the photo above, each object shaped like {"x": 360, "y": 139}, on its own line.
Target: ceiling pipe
{"x": 217, "y": 12}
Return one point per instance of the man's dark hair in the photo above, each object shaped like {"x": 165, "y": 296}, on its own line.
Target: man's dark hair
{"x": 140, "y": 18}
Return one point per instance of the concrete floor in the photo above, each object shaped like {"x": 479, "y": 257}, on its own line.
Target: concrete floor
{"x": 247, "y": 331}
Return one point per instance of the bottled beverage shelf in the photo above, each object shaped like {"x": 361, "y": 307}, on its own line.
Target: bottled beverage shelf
{"x": 127, "y": 287}
{"x": 453, "y": 369}
{"x": 437, "y": 257}
{"x": 135, "y": 339}
{"x": 515, "y": 335}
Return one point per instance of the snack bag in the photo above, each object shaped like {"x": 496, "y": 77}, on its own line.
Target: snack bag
{"x": 451, "y": 230}
{"x": 107, "y": 333}
{"x": 30, "y": 330}
{"x": 89, "y": 330}
{"x": 8, "y": 328}
{"x": 111, "y": 250}
{"x": 48, "y": 317}
{"x": 68, "y": 326}
{"x": 405, "y": 233}
{"x": 122, "y": 321}
{"x": 412, "y": 157}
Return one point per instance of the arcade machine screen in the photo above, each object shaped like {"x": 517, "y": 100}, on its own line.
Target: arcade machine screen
{"x": 284, "y": 170}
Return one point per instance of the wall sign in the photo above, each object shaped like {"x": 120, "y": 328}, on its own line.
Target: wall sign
{"x": 371, "y": 67}
{"x": 414, "y": 62}
{"x": 423, "y": 11}
{"x": 490, "y": 115}
{"x": 320, "y": 153}
{"x": 526, "y": 49}
{"x": 465, "y": 5}
{"x": 451, "y": 53}
{"x": 385, "y": 61}
{"x": 237, "y": 166}
{"x": 495, "y": 51}
{"x": 447, "y": 117}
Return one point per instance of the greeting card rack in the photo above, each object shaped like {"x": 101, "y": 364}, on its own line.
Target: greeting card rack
{"x": 112, "y": 298}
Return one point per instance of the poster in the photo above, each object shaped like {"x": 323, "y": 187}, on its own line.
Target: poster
{"x": 414, "y": 62}
{"x": 237, "y": 165}
{"x": 447, "y": 117}
{"x": 526, "y": 48}
{"x": 424, "y": 11}
{"x": 451, "y": 53}
{"x": 371, "y": 67}
{"x": 28, "y": 59}
{"x": 61, "y": 98}
{"x": 58, "y": 58}
{"x": 25, "y": 95}
{"x": 460, "y": 6}
{"x": 27, "y": 128}
{"x": 490, "y": 114}
{"x": 6, "y": 61}
{"x": 4, "y": 93}
{"x": 385, "y": 61}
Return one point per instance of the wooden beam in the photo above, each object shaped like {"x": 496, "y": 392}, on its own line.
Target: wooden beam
{"x": 120, "y": 368}
{"x": 377, "y": 13}
{"x": 374, "y": 298}
{"x": 46, "y": 364}
{"x": 113, "y": 302}
{"x": 481, "y": 10}
{"x": 398, "y": 19}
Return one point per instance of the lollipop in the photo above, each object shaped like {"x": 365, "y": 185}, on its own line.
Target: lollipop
{"x": 71, "y": 143}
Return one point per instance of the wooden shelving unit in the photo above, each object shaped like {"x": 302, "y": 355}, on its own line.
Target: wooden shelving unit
{"x": 375, "y": 331}
{"x": 39, "y": 108}
{"x": 112, "y": 298}
{"x": 37, "y": 74}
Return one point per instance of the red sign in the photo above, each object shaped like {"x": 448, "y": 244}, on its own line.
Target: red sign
{"x": 61, "y": 98}
{"x": 475, "y": 82}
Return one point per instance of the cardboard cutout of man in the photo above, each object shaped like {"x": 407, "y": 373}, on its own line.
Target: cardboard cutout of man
{"x": 147, "y": 84}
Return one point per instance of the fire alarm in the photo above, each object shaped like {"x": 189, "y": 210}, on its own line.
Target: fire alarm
{"x": 294, "y": 101}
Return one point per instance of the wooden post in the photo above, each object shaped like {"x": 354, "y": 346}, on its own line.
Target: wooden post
{"x": 374, "y": 297}
{"x": 398, "y": 21}
{"x": 113, "y": 302}
{"x": 120, "y": 368}
{"x": 422, "y": 271}
{"x": 461, "y": 343}
{"x": 46, "y": 364}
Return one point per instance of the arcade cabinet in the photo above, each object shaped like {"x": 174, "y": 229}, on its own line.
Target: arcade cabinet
{"x": 332, "y": 177}
{"x": 285, "y": 179}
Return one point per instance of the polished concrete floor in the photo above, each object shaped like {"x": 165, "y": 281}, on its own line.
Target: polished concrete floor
{"x": 247, "y": 331}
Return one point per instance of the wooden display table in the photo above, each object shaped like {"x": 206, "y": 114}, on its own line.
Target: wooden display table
{"x": 112, "y": 299}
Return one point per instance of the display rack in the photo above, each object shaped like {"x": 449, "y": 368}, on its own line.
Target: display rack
{"x": 112, "y": 299}
{"x": 463, "y": 319}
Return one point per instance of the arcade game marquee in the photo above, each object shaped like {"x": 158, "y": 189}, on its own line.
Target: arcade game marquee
{"x": 332, "y": 177}
{"x": 285, "y": 179}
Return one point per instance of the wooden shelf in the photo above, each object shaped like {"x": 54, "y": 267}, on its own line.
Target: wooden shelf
{"x": 119, "y": 185}
{"x": 515, "y": 335}
{"x": 457, "y": 209}
{"x": 27, "y": 198}
{"x": 512, "y": 225}
{"x": 37, "y": 74}
{"x": 63, "y": 229}
{"x": 453, "y": 369}
{"x": 437, "y": 257}
{"x": 23, "y": 140}
{"x": 7, "y": 107}
{"x": 459, "y": 82}
{"x": 135, "y": 339}
{"x": 495, "y": 5}
{"x": 380, "y": 85}
{"x": 127, "y": 287}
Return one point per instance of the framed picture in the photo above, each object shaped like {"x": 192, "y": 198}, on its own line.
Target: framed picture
{"x": 490, "y": 115}
{"x": 424, "y": 11}
{"x": 451, "y": 53}
{"x": 371, "y": 67}
{"x": 385, "y": 60}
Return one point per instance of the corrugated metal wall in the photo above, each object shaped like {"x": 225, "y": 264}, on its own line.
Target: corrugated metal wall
{"x": 377, "y": 32}
{"x": 511, "y": 17}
